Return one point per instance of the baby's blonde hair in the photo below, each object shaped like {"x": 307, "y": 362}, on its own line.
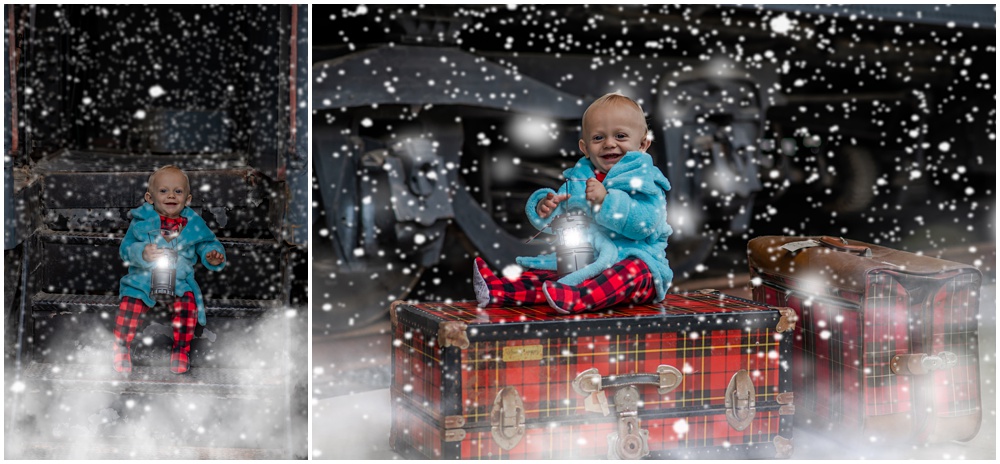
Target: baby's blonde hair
{"x": 149, "y": 181}
{"x": 616, "y": 98}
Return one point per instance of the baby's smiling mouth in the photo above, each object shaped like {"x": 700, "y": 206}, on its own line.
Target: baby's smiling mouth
{"x": 611, "y": 156}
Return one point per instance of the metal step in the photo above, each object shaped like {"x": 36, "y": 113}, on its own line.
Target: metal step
{"x": 103, "y": 161}
{"x": 44, "y": 305}
{"x": 89, "y": 263}
{"x": 130, "y": 449}
{"x": 95, "y": 190}
{"x": 115, "y": 238}
{"x": 78, "y": 329}
{"x": 70, "y": 177}
{"x": 214, "y": 382}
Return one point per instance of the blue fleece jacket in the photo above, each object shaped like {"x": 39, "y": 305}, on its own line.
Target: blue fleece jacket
{"x": 193, "y": 243}
{"x": 632, "y": 221}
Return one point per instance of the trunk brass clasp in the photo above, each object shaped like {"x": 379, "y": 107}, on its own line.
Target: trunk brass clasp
{"x": 507, "y": 418}
{"x": 741, "y": 401}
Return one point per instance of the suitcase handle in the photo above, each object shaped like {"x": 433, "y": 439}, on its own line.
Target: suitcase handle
{"x": 840, "y": 244}
{"x": 666, "y": 379}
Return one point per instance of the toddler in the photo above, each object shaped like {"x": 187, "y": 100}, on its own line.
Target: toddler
{"x": 618, "y": 186}
{"x": 164, "y": 220}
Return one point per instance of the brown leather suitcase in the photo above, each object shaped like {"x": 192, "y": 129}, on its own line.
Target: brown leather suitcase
{"x": 886, "y": 343}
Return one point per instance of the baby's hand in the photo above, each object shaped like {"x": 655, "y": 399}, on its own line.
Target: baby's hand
{"x": 151, "y": 252}
{"x": 549, "y": 204}
{"x": 214, "y": 258}
{"x": 596, "y": 192}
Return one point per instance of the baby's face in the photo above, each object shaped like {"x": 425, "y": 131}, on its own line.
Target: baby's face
{"x": 169, "y": 193}
{"x": 610, "y": 131}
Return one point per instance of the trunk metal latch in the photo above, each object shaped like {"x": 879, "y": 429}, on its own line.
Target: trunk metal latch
{"x": 507, "y": 418}
{"x": 631, "y": 441}
{"x": 741, "y": 400}
{"x": 591, "y": 383}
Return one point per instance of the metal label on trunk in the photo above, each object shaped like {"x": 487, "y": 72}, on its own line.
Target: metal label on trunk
{"x": 522, "y": 353}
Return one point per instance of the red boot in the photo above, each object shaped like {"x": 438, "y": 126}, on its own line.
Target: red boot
{"x": 524, "y": 290}
{"x": 185, "y": 320}
{"x": 130, "y": 312}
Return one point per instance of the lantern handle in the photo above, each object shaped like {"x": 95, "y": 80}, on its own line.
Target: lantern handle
{"x": 568, "y": 180}
{"x": 533, "y": 237}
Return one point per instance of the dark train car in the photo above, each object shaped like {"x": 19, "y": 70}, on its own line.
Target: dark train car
{"x": 96, "y": 98}
{"x": 433, "y": 123}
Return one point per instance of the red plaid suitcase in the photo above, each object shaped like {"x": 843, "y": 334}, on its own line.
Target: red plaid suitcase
{"x": 697, "y": 375}
{"x": 886, "y": 343}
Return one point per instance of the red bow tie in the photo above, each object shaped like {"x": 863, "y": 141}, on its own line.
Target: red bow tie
{"x": 172, "y": 224}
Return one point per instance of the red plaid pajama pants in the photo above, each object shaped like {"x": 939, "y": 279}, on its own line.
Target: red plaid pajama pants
{"x": 629, "y": 280}
{"x": 130, "y": 314}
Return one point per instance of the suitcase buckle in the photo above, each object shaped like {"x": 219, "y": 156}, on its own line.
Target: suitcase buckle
{"x": 507, "y": 418}
{"x": 741, "y": 401}
{"x": 920, "y": 363}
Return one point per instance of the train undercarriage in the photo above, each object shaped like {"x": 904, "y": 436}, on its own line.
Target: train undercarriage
{"x": 433, "y": 124}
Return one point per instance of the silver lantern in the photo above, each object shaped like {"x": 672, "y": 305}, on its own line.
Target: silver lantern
{"x": 164, "y": 274}
{"x": 573, "y": 248}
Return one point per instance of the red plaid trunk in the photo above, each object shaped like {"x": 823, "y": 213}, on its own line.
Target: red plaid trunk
{"x": 445, "y": 392}
{"x": 848, "y": 336}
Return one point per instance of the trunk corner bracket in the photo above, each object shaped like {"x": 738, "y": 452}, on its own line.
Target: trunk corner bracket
{"x": 452, "y": 333}
{"x": 786, "y": 322}
{"x": 783, "y": 447}
{"x": 393, "y": 308}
